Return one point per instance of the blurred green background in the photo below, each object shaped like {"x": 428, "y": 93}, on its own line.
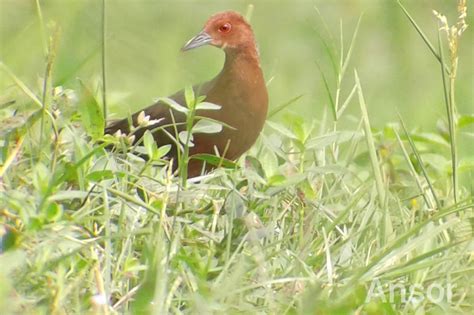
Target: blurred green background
{"x": 144, "y": 61}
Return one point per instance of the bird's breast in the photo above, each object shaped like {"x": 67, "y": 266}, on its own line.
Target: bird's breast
{"x": 244, "y": 108}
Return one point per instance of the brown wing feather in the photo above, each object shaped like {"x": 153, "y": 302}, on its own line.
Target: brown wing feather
{"x": 165, "y": 114}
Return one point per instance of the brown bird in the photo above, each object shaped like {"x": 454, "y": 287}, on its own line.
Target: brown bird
{"x": 239, "y": 89}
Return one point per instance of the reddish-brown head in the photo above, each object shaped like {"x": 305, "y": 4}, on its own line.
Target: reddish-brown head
{"x": 227, "y": 30}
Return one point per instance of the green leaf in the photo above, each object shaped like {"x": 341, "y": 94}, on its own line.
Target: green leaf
{"x": 189, "y": 96}
{"x": 150, "y": 144}
{"x": 54, "y": 212}
{"x": 255, "y": 164}
{"x": 269, "y": 162}
{"x": 465, "y": 120}
{"x": 91, "y": 113}
{"x": 207, "y": 126}
{"x": 208, "y": 106}
{"x": 276, "y": 180}
{"x": 41, "y": 178}
{"x": 279, "y": 108}
{"x": 197, "y": 118}
{"x": 215, "y": 160}
{"x": 163, "y": 150}
{"x": 99, "y": 176}
{"x": 173, "y": 104}
{"x": 183, "y": 137}
{"x": 9, "y": 240}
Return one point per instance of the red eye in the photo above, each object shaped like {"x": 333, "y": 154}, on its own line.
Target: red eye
{"x": 225, "y": 28}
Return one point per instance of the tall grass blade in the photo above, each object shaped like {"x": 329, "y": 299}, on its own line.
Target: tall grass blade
{"x": 281, "y": 107}
{"x": 413, "y": 172}
{"x": 21, "y": 85}
{"x": 371, "y": 143}
{"x": 448, "y": 101}
{"x": 420, "y": 162}
{"x": 419, "y": 30}
{"x": 47, "y": 81}
{"x": 345, "y": 63}
{"x": 328, "y": 91}
{"x": 328, "y": 49}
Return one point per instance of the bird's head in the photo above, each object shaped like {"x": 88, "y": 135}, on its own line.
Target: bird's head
{"x": 227, "y": 30}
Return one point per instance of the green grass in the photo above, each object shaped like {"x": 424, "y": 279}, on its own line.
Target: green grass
{"x": 322, "y": 216}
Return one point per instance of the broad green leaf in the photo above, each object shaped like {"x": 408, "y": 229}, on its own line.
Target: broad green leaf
{"x": 269, "y": 162}
{"x": 197, "y": 118}
{"x": 98, "y": 176}
{"x": 173, "y": 104}
{"x": 41, "y": 178}
{"x": 150, "y": 144}
{"x": 54, "y": 212}
{"x": 254, "y": 163}
{"x": 276, "y": 180}
{"x": 207, "y": 126}
{"x": 163, "y": 150}
{"x": 208, "y": 106}
{"x": 465, "y": 121}
{"x": 183, "y": 137}
{"x": 189, "y": 96}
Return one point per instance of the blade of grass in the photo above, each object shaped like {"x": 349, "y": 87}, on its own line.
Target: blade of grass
{"x": 21, "y": 85}
{"x": 41, "y": 24}
{"x": 420, "y": 161}
{"x": 419, "y": 30}
{"x": 346, "y": 102}
{"x": 328, "y": 49}
{"x": 449, "y": 102}
{"x": 371, "y": 144}
{"x": 421, "y": 33}
{"x": 351, "y": 47}
{"x": 413, "y": 172}
{"x": 328, "y": 91}
{"x": 132, "y": 200}
{"x": 402, "y": 241}
{"x": 47, "y": 82}
{"x": 279, "y": 108}
{"x": 11, "y": 157}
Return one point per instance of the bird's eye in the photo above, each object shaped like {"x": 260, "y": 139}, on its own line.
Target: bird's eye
{"x": 225, "y": 28}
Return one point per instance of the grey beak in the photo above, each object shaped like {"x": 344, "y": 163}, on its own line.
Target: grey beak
{"x": 199, "y": 40}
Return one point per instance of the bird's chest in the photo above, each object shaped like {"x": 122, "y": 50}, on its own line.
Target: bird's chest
{"x": 244, "y": 112}
{"x": 238, "y": 102}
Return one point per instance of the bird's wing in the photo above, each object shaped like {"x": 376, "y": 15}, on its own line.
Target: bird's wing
{"x": 162, "y": 112}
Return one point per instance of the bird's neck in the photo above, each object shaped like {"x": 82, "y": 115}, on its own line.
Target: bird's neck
{"x": 242, "y": 62}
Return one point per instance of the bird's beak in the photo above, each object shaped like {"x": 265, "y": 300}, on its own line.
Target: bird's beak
{"x": 199, "y": 40}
